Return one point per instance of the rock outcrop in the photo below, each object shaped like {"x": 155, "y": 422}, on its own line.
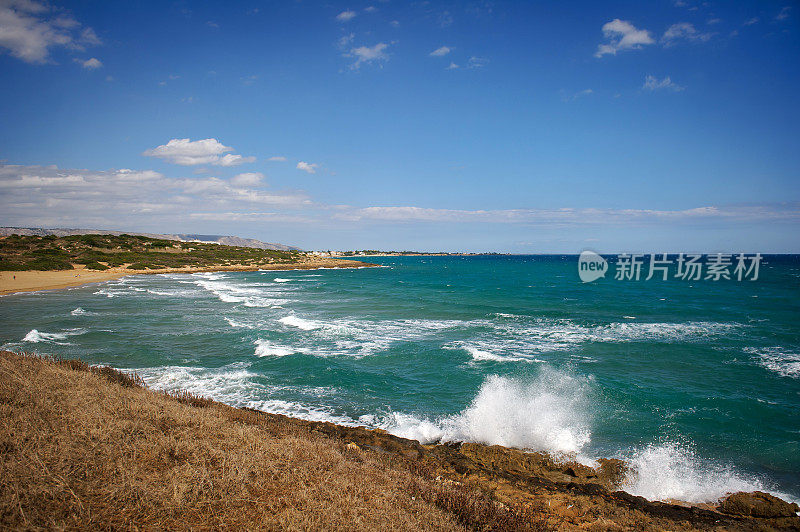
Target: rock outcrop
{"x": 757, "y": 504}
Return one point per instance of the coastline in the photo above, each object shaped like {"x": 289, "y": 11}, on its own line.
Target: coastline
{"x": 181, "y": 438}
{"x": 13, "y": 282}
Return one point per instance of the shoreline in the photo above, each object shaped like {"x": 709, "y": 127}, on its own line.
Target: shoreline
{"x": 513, "y": 484}
{"x": 16, "y": 282}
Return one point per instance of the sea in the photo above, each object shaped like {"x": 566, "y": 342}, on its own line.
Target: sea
{"x": 696, "y": 383}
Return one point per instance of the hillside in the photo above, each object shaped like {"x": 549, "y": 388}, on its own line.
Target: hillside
{"x": 219, "y": 239}
{"x": 100, "y": 252}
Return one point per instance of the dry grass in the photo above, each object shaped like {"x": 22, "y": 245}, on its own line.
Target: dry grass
{"x": 90, "y": 448}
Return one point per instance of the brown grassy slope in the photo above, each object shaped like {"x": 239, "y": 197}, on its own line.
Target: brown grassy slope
{"x": 90, "y": 449}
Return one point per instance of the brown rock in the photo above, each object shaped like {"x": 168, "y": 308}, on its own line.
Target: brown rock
{"x": 613, "y": 471}
{"x": 757, "y": 504}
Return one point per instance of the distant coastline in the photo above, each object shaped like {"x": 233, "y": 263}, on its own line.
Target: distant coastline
{"x": 33, "y": 262}
{"x": 12, "y": 282}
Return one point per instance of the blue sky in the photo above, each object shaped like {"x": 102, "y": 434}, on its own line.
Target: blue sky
{"x": 478, "y": 126}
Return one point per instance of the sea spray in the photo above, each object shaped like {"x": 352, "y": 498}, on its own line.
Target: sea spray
{"x": 670, "y": 470}
{"x": 549, "y": 413}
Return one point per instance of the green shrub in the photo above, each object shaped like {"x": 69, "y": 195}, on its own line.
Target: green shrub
{"x": 47, "y": 264}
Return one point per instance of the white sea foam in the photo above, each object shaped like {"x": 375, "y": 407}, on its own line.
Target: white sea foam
{"x": 672, "y": 471}
{"x": 550, "y": 413}
{"x": 266, "y": 349}
{"x": 281, "y": 280}
{"x": 35, "y": 336}
{"x": 233, "y": 384}
{"x": 236, "y": 385}
{"x": 82, "y": 312}
{"x": 250, "y": 295}
{"x": 780, "y": 360}
{"x": 483, "y": 355}
{"x": 298, "y": 410}
{"x": 300, "y": 323}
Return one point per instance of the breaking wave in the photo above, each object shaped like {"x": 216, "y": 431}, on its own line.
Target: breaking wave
{"x": 300, "y": 323}
{"x": 550, "y": 413}
{"x": 673, "y": 471}
{"x": 34, "y": 336}
{"x": 250, "y": 295}
{"x": 267, "y": 349}
{"x": 777, "y": 359}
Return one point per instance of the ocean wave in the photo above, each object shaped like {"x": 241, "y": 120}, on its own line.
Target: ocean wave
{"x": 298, "y": 410}
{"x": 35, "y": 336}
{"x": 483, "y": 355}
{"x": 300, "y": 323}
{"x": 550, "y": 413}
{"x": 508, "y": 339}
{"x": 266, "y": 349}
{"x": 281, "y": 280}
{"x": 670, "y": 470}
{"x": 250, "y": 295}
{"x": 233, "y": 384}
{"x": 82, "y": 312}
{"x": 777, "y": 359}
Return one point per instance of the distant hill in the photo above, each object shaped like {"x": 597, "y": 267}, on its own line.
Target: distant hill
{"x": 236, "y": 241}
{"x": 218, "y": 239}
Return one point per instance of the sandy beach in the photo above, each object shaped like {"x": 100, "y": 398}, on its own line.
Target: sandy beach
{"x": 33, "y": 281}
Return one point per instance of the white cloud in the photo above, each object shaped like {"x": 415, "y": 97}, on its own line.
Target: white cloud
{"x": 50, "y": 196}
{"x": 37, "y": 195}
{"x": 441, "y": 51}
{"x": 345, "y": 40}
{"x": 452, "y": 66}
{"x": 91, "y": 64}
{"x": 622, "y": 35}
{"x": 477, "y": 62}
{"x": 652, "y": 83}
{"x": 683, "y": 31}
{"x": 307, "y": 167}
{"x": 370, "y": 9}
{"x": 569, "y": 216}
{"x": 784, "y": 13}
{"x": 248, "y": 179}
{"x": 751, "y": 21}
{"x": 277, "y": 158}
{"x": 186, "y": 152}
{"x": 233, "y": 160}
{"x": 249, "y": 217}
{"x": 369, "y": 54}
{"x": 345, "y": 16}
{"x": 27, "y": 33}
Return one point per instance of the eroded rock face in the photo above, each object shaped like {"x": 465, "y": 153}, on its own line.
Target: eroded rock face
{"x": 757, "y": 504}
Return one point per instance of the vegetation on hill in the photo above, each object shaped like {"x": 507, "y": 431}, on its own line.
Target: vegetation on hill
{"x": 99, "y": 252}
{"x": 89, "y": 448}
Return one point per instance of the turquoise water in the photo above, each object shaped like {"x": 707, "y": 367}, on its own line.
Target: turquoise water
{"x": 696, "y": 383}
